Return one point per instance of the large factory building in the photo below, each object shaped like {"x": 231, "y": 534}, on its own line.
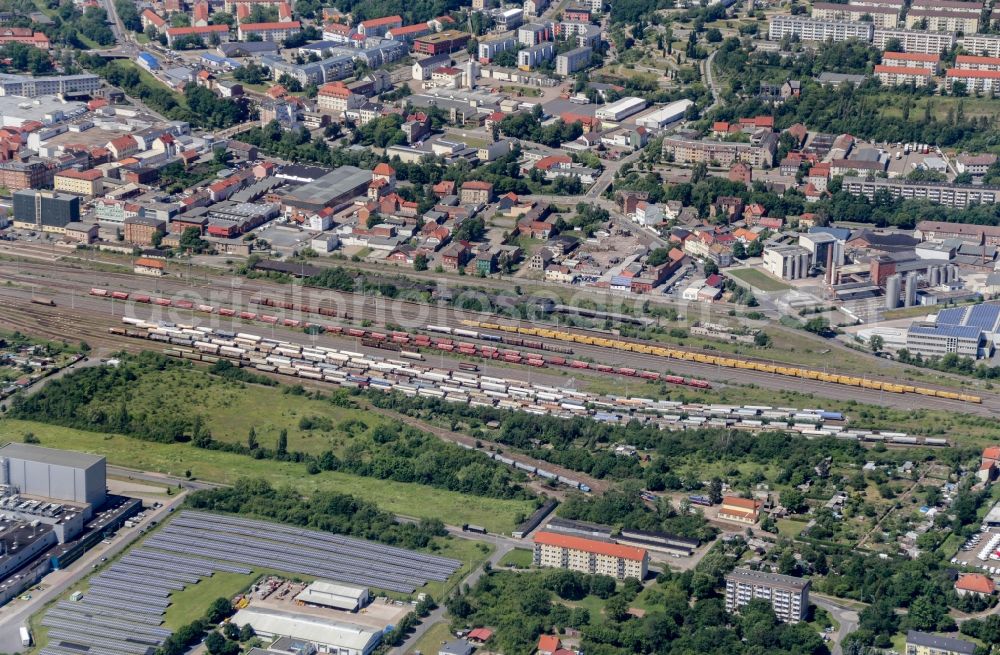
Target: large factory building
{"x": 76, "y": 478}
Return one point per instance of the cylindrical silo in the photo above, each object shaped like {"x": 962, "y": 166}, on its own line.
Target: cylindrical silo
{"x": 911, "y": 290}
{"x": 892, "y": 292}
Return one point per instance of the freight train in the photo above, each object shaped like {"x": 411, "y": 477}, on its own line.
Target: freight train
{"x": 396, "y": 340}
{"x": 724, "y": 361}
{"x": 355, "y": 369}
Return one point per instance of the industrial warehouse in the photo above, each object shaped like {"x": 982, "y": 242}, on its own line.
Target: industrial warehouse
{"x": 53, "y": 507}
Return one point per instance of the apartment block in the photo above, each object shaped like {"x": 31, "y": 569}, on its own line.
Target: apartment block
{"x": 942, "y": 20}
{"x": 903, "y": 75}
{"x": 788, "y": 596}
{"x": 923, "y": 643}
{"x": 977, "y": 63}
{"x": 563, "y": 551}
{"x": 814, "y": 29}
{"x": 878, "y": 16}
{"x": 955, "y": 6}
{"x": 379, "y": 26}
{"x": 490, "y": 48}
{"x": 942, "y": 193}
{"x": 535, "y": 55}
{"x": 569, "y": 62}
{"x": 975, "y": 81}
{"x": 721, "y": 153}
{"x": 931, "y": 62}
{"x": 275, "y": 32}
{"x": 931, "y": 43}
{"x": 982, "y": 45}
{"x": 25, "y": 175}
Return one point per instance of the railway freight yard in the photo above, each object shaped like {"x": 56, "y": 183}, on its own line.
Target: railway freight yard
{"x": 357, "y": 370}
{"x": 91, "y": 316}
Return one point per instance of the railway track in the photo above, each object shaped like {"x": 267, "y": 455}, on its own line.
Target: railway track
{"x": 73, "y": 285}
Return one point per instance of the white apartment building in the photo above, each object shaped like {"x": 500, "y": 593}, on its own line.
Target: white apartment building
{"x": 563, "y": 551}
{"x": 926, "y": 42}
{"x": 879, "y": 16}
{"x": 982, "y": 45}
{"x": 903, "y": 75}
{"x": 812, "y": 29}
{"x": 789, "y": 597}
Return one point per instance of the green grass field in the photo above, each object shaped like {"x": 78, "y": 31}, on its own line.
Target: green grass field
{"x": 192, "y": 602}
{"x": 176, "y": 459}
{"x": 758, "y": 280}
{"x": 519, "y": 558}
{"x": 432, "y": 640}
{"x": 230, "y": 409}
{"x": 789, "y": 528}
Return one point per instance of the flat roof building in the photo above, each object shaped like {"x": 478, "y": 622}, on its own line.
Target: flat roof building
{"x": 328, "y": 635}
{"x": 333, "y": 188}
{"x": 943, "y": 193}
{"x": 331, "y": 594}
{"x": 58, "y": 474}
{"x": 931, "y": 340}
{"x": 813, "y": 29}
{"x": 788, "y": 596}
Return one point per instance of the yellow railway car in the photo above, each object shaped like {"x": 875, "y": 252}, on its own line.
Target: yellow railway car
{"x": 729, "y": 362}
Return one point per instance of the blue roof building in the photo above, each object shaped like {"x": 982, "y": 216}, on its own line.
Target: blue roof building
{"x": 148, "y": 61}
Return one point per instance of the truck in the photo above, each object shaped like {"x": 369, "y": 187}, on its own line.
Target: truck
{"x": 25, "y": 636}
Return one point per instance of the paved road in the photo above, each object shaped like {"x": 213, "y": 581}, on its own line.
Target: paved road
{"x": 16, "y": 613}
{"x": 712, "y": 85}
{"x": 846, "y": 616}
{"x": 503, "y": 546}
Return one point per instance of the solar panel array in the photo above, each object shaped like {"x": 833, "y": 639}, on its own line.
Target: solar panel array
{"x": 984, "y": 317}
{"x": 297, "y": 550}
{"x": 122, "y": 612}
{"x": 952, "y": 316}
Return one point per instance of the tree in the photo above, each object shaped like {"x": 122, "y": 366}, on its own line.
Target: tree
{"x": 252, "y": 439}
{"x": 876, "y": 343}
{"x": 715, "y": 491}
{"x": 657, "y": 257}
{"x": 247, "y": 632}
{"x": 420, "y": 262}
{"x": 794, "y": 501}
{"x": 710, "y": 268}
{"x": 817, "y": 325}
{"x": 191, "y": 241}
{"x": 616, "y": 608}
{"x": 282, "y": 450}
{"x": 215, "y": 642}
{"x": 739, "y": 250}
{"x": 231, "y": 631}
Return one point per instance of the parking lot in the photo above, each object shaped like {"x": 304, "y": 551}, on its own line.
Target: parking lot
{"x": 980, "y": 551}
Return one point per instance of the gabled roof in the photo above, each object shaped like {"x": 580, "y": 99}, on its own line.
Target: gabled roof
{"x": 589, "y": 545}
